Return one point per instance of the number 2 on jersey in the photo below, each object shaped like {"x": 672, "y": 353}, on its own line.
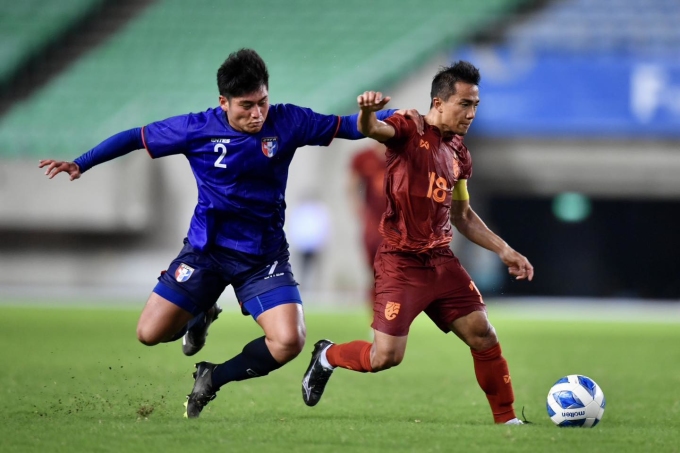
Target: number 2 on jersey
{"x": 219, "y": 147}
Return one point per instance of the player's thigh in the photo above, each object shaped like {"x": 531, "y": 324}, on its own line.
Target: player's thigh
{"x": 193, "y": 281}
{"x": 263, "y": 285}
{"x": 190, "y": 286}
{"x": 402, "y": 293}
{"x": 160, "y": 319}
{"x": 284, "y": 323}
{"x": 456, "y": 294}
{"x": 279, "y": 313}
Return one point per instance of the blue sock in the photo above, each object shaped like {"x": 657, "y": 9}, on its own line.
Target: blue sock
{"x": 254, "y": 361}
{"x": 196, "y": 320}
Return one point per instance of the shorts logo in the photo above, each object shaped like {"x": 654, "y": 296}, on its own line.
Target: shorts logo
{"x": 269, "y": 146}
{"x": 424, "y": 144}
{"x": 392, "y": 310}
{"x": 506, "y": 378}
{"x": 183, "y": 273}
{"x": 271, "y": 274}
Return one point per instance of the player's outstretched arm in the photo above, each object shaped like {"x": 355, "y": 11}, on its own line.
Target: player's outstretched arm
{"x": 54, "y": 167}
{"x": 470, "y": 225}
{"x": 367, "y": 123}
{"x": 348, "y": 124}
{"x": 111, "y": 148}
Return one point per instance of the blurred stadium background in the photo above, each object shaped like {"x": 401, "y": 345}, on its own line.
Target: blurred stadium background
{"x": 576, "y": 144}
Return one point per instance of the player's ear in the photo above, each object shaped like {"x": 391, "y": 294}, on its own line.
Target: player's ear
{"x": 437, "y": 104}
{"x": 224, "y": 103}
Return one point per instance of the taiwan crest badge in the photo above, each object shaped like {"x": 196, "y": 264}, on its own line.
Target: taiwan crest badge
{"x": 183, "y": 273}
{"x": 269, "y": 146}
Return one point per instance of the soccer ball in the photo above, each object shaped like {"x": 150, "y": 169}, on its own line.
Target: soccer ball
{"x": 575, "y": 400}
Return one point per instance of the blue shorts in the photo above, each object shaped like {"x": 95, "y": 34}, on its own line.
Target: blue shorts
{"x": 196, "y": 279}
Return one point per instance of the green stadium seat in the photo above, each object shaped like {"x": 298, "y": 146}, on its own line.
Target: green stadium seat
{"x": 27, "y": 26}
{"x": 164, "y": 62}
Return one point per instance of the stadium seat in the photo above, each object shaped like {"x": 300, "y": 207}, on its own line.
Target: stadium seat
{"x": 639, "y": 27}
{"x": 29, "y": 25}
{"x": 164, "y": 62}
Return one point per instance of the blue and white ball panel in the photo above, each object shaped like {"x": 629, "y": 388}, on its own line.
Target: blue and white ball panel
{"x": 575, "y": 400}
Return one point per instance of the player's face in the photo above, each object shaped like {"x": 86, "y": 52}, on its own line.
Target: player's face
{"x": 460, "y": 109}
{"x": 247, "y": 113}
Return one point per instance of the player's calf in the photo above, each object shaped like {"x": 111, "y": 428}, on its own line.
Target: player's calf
{"x": 385, "y": 360}
{"x": 493, "y": 376}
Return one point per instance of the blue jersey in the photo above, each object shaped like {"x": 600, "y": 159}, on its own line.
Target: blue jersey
{"x": 241, "y": 177}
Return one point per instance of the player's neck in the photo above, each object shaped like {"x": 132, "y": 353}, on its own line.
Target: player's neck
{"x": 433, "y": 118}
{"x": 232, "y": 125}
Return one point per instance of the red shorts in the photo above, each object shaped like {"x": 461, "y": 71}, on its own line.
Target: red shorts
{"x": 407, "y": 284}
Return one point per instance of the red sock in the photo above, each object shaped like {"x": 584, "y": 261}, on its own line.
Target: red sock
{"x": 493, "y": 376}
{"x": 355, "y": 356}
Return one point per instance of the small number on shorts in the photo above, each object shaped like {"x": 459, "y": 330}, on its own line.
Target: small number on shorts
{"x": 473, "y": 287}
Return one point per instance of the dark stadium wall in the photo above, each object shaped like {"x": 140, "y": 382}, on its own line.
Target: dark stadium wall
{"x": 619, "y": 248}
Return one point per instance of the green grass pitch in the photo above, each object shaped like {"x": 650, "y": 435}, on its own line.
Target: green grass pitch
{"x": 76, "y": 379}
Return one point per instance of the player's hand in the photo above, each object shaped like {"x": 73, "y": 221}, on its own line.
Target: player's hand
{"x": 414, "y": 115}
{"x": 54, "y": 167}
{"x": 518, "y": 264}
{"x": 372, "y": 101}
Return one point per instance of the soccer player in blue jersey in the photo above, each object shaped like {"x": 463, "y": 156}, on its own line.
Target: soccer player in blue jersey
{"x": 239, "y": 153}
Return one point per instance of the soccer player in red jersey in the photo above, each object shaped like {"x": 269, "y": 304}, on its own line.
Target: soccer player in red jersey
{"x": 415, "y": 270}
{"x": 366, "y": 190}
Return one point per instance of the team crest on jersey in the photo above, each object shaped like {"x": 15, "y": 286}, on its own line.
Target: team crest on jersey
{"x": 392, "y": 310}
{"x": 183, "y": 273}
{"x": 269, "y": 146}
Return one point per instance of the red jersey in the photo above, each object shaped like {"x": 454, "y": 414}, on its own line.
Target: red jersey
{"x": 420, "y": 175}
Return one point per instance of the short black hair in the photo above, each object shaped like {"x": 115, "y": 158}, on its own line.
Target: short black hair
{"x": 243, "y": 72}
{"x": 444, "y": 83}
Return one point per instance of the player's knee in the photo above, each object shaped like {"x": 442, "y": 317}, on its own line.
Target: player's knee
{"x": 386, "y": 360}
{"x": 287, "y": 347}
{"x": 147, "y": 337}
{"x": 485, "y": 339}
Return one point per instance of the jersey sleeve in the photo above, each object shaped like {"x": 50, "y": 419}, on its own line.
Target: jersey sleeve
{"x": 348, "y": 125}
{"x": 404, "y": 130}
{"x": 309, "y": 127}
{"x": 166, "y": 137}
{"x": 115, "y": 146}
{"x": 466, "y": 172}
{"x": 466, "y": 167}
